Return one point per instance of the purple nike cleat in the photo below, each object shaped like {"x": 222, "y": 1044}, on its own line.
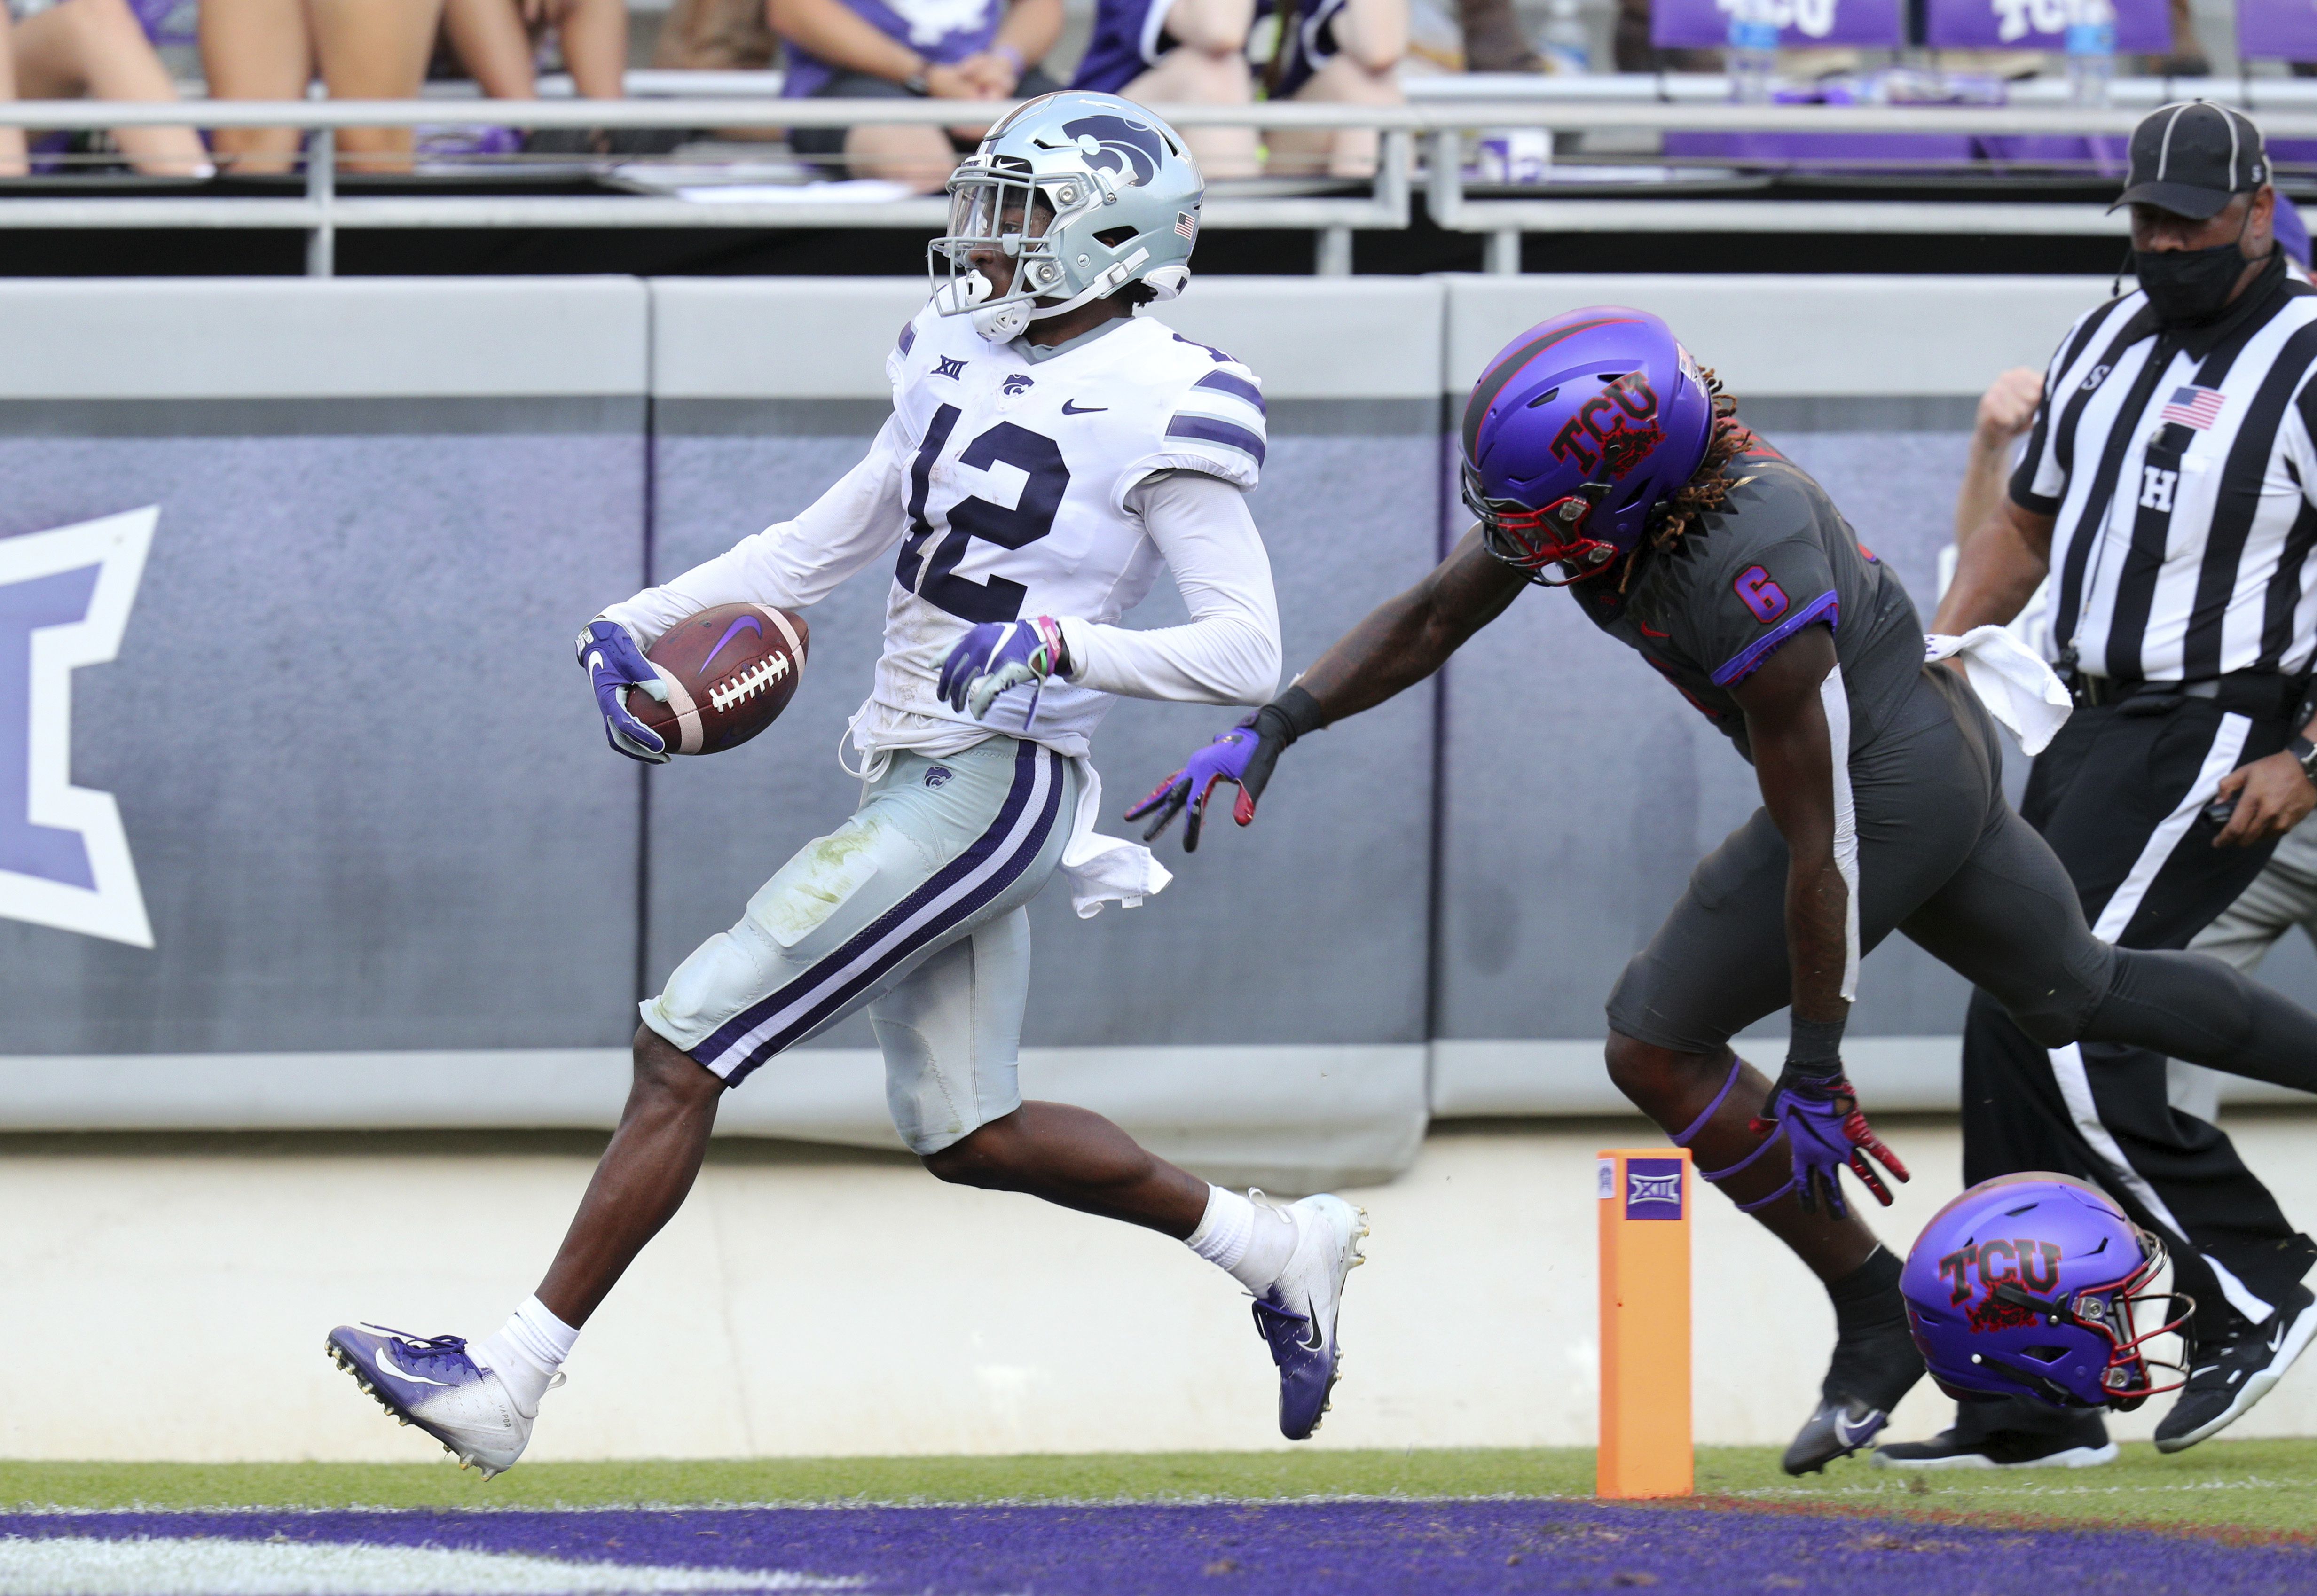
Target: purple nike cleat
{"x": 436, "y": 1386}
{"x": 1296, "y": 1313}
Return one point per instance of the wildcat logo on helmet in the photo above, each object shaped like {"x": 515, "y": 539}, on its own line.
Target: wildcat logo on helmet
{"x": 1131, "y": 149}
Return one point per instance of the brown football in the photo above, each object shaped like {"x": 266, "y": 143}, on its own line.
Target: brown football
{"x": 735, "y": 669}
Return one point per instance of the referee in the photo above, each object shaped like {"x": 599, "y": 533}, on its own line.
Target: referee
{"x": 2170, "y": 492}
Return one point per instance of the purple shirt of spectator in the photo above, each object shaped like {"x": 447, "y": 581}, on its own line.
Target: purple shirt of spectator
{"x": 1129, "y": 38}
{"x": 942, "y": 31}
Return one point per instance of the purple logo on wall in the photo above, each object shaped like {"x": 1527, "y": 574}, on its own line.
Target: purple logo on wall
{"x": 1653, "y": 1188}
{"x": 1704, "y": 25}
{"x": 2038, "y": 24}
{"x": 64, "y": 601}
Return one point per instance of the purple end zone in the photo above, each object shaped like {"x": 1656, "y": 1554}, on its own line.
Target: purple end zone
{"x": 1345, "y": 1549}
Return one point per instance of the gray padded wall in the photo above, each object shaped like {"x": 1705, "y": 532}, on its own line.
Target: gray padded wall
{"x": 364, "y": 797}
{"x": 1309, "y": 930}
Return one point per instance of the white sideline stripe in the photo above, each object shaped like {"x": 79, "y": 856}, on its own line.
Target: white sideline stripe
{"x": 824, "y": 980}
{"x": 85, "y": 1565}
{"x": 1837, "y": 701}
{"x": 2068, "y": 1062}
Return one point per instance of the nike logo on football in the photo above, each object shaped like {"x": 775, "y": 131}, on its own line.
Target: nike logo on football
{"x": 729, "y": 633}
{"x": 386, "y": 1361}
{"x": 1067, "y": 409}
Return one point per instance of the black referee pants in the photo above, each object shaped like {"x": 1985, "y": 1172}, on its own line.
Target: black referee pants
{"x": 2119, "y": 795}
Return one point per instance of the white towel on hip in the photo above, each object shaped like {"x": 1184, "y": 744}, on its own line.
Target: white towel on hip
{"x": 1102, "y": 869}
{"x": 2017, "y": 687}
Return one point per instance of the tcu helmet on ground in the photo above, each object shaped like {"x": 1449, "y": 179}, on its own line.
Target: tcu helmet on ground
{"x": 2030, "y": 1285}
{"x": 1123, "y": 193}
{"x": 1574, "y": 435}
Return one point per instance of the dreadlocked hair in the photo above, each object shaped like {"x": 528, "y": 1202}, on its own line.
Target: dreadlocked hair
{"x": 1707, "y": 489}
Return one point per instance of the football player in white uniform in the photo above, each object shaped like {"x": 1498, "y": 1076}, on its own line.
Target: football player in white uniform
{"x": 1049, "y": 448}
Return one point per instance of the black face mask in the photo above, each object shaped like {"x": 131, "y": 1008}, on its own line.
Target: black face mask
{"x": 2188, "y": 288}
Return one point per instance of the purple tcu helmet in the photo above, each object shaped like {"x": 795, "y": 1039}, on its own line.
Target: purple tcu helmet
{"x": 1575, "y": 432}
{"x": 2030, "y": 1285}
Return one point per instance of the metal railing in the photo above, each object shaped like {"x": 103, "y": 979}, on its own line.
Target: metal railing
{"x": 1441, "y": 121}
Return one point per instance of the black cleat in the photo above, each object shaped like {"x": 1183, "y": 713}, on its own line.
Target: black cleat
{"x": 1874, "y": 1364}
{"x": 2080, "y": 1442}
{"x": 2235, "y": 1368}
{"x": 1839, "y": 1427}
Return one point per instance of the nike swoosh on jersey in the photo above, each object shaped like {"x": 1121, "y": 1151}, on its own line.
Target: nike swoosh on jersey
{"x": 387, "y": 1362}
{"x": 1649, "y": 631}
{"x": 1083, "y": 409}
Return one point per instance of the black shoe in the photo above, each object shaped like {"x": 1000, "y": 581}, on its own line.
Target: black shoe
{"x": 2234, "y": 1369}
{"x": 2082, "y": 1443}
{"x": 1872, "y": 1369}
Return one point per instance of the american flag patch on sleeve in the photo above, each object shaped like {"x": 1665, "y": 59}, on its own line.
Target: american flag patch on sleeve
{"x": 1187, "y": 224}
{"x": 2193, "y": 407}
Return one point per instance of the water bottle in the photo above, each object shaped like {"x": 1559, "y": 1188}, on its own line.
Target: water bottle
{"x": 1567, "y": 45}
{"x": 2091, "y": 45}
{"x": 1753, "y": 51}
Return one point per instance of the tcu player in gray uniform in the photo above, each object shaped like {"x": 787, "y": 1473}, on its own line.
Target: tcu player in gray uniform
{"x": 1599, "y": 457}
{"x": 1049, "y": 451}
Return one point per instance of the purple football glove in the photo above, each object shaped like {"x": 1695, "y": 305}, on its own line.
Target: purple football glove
{"x": 1825, "y": 1133}
{"x": 1242, "y": 755}
{"x": 613, "y": 663}
{"x": 997, "y": 654}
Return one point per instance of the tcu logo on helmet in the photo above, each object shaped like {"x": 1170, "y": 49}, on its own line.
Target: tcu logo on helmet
{"x": 1629, "y": 405}
{"x": 2034, "y": 1265}
{"x": 1129, "y": 149}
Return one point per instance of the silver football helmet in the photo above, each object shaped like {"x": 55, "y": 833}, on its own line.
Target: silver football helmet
{"x": 1105, "y": 169}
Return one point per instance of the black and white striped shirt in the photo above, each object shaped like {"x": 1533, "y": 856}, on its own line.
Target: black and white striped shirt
{"x": 2181, "y": 472}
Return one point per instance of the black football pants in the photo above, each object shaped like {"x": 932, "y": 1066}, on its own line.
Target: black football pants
{"x": 1944, "y": 861}
{"x": 2119, "y": 797}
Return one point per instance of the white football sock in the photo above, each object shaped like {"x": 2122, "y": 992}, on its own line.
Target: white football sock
{"x": 526, "y": 1353}
{"x": 1247, "y": 1240}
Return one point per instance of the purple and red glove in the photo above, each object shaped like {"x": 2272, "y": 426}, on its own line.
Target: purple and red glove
{"x": 1825, "y": 1133}
{"x": 1243, "y": 756}
{"x": 1231, "y": 757}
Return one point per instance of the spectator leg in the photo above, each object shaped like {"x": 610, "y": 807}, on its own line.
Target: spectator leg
{"x": 595, "y": 35}
{"x": 13, "y": 160}
{"x": 491, "y": 43}
{"x": 920, "y": 156}
{"x": 374, "y": 50}
{"x": 1343, "y": 152}
{"x": 1493, "y": 40}
{"x": 1184, "y": 76}
{"x": 1371, "y": 37}
{"x": 96, "y": 48}
{"x": 256, "y": 49}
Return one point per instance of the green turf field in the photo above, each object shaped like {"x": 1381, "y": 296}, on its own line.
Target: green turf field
{"x": 2260, "y": 1487}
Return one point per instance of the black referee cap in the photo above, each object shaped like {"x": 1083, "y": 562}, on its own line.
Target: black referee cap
{"x": 2193, "y": 157}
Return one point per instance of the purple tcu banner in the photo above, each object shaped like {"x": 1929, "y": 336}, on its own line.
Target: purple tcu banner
{"x": 2141, "y": 25}
{"x": 2276, "y": 30}
{"x": 1705, "y": 23}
